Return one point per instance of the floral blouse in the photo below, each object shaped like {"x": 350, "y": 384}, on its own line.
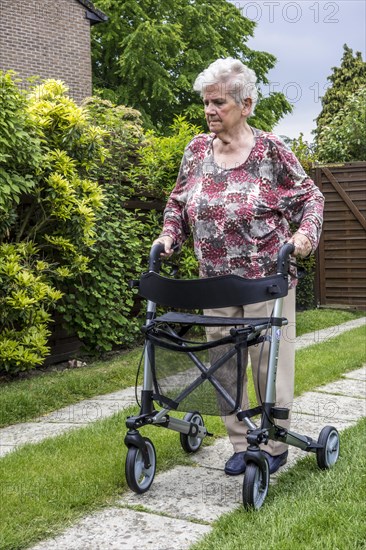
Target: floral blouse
{"x": 240, "y": 216}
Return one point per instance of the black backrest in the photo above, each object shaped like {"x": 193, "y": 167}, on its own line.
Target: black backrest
{"x": 212, "y": 292}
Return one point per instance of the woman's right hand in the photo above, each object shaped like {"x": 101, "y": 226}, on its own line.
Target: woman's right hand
{"x": 168, "y": 244}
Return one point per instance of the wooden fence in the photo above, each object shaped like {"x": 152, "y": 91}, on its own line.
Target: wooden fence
{"x": 341, "y": 262}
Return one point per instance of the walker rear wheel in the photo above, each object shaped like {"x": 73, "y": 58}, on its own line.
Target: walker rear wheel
{"x": 328, "y": 455}
{"x": 255, "y": 485}
{"x": 191, "y": 443}
{"x": 139, "y": 476}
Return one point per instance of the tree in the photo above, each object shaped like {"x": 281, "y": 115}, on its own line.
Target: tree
{"x": 345, "y": 80}
{"x": 343, "y": 138}
{"x": 304, "y": 151}
{"x": 149, "y": 53}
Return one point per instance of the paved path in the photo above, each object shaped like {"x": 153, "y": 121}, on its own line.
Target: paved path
{"x": 183, "y": 502}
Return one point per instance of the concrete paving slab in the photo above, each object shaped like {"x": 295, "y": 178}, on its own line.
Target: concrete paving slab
{"x": 307, "y": 424}
{"x": 65, "y": 419}
{"x": 127, "y": 395}
{"x": 120, "y": 528}
{"x": 88, "y": 411}
{"x": 14, "y": 436}
{"x": 358, "y": 374}
{"x": 214, "y": 456}
{"x": 327, "y": 408}
{"x": 190, "y": 493}
{"x": 347, "y": 386}
{"x": 6, "y": 449}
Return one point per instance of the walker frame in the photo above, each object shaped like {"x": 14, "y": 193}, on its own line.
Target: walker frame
{"x": 216, "y": 292}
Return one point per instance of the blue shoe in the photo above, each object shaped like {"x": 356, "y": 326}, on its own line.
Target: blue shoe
{"x": 275, "y": 462}
{"x": 235, "y": 465}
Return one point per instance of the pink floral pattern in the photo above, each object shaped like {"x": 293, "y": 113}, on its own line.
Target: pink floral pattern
{"x": 240, "y": 216}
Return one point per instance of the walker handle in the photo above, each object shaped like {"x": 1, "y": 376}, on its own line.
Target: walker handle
{"x": 154, "y": 258}
{"x": 283, "y": 259}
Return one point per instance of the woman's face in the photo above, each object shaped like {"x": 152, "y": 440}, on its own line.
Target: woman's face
{"x": 221, "y": 110}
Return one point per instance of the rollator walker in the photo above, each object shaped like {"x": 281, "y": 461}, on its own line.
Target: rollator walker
{"x": 184, "y": 371}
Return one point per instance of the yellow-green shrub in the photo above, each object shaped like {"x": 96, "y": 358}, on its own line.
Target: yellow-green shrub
{"x": 49, "y": 198}
{"x": 26, "y": 297}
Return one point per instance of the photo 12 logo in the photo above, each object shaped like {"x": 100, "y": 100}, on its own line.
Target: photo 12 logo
{"x": 291, "y": 12}
{"x": 293, "y": 91}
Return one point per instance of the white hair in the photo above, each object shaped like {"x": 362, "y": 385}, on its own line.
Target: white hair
{"x": 233, "y": 77}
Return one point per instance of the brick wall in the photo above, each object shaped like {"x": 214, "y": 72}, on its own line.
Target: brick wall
{"x": 47, "y": 38}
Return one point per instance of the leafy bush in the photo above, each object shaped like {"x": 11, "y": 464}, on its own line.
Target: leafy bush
{"x": 99, "y": 305}
{"x": 20, "y": 150}
{"x": 305, "y": 298}
{"x": 159, "y": 158}
{"x": 49, "y": 156}
{"x": 25, "y": 299}
{"x": 155, "y": 172}
{"x": 60, "y": 214}
{"x": 304, "y": 152}
{"x": 92, "y": 248}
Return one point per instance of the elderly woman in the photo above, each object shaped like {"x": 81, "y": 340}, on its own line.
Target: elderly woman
{"x": 238, "y": 190}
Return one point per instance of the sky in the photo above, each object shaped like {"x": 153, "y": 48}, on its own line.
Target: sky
{"x": 307, "y": 39}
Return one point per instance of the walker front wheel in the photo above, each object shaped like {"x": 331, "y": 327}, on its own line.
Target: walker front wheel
{"x": 255, "y": 485}
{"x": 191, "y": 443}
{"x": 139, "y": 475}
{"x": 328, "y": 454}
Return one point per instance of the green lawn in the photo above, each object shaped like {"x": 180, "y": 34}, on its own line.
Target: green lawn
{"x": 50, "y": 485}
{"x": 316, "y": 319}
{"x": 23, "y": 400}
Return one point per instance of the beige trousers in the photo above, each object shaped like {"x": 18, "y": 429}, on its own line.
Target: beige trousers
{"x": 285, "y": 370}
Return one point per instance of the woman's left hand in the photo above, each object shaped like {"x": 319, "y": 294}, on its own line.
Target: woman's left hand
{"x": 302, "y": 245}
